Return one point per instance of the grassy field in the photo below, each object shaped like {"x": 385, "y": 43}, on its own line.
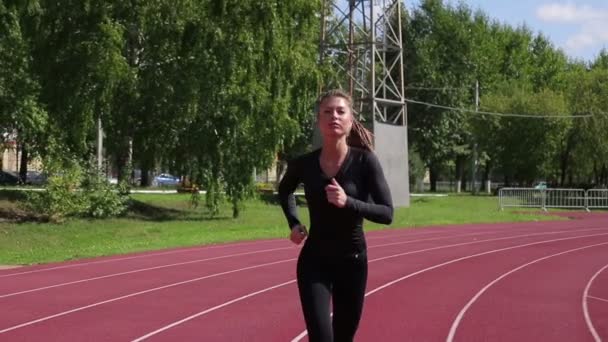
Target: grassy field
{"x": 165, "y": 221}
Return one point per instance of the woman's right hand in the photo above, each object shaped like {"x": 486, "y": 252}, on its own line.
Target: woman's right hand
{"x": 298, "y": 234}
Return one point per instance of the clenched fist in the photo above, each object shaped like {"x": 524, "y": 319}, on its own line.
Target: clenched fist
{"x": 335, "y": 194}
{"x": 298, "y": 234}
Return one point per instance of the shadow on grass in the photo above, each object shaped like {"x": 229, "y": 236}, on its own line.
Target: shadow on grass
{"x": 12, "y": 196}
{"x": 145, "y": 211}
{"x": 270, "y": 198}
{"x": 11, "y": 209}
{"x": 421, "y": 200}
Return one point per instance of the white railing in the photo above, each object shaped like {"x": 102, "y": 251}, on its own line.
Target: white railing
{"x": 553, "y": 198}
{"x": 565, "y": 198}
{"x": 597, "y": 198}
{"x": 520, "y": 197}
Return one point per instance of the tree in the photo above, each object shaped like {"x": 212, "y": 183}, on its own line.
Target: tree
{"x": 21, "y": 113}
{"x": 587, "y": 153}
{"x": 527, "y": 147}
{"x": 442, "y": 66}
{"x": 258, "y": 62}
{"x": 76, "y": 54}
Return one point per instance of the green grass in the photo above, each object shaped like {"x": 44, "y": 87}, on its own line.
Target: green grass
{"x": 166, "y": 221}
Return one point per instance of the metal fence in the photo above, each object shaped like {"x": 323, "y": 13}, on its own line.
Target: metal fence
{"x": 597, "y": 198}
{"x": 553, "y": 198}
{"x": 520, "y": 197}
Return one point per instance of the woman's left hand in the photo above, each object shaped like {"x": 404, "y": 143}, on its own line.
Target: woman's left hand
{"x": 335, "y": 194}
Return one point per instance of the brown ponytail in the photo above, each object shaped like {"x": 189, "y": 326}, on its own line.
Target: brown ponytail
{"x": 359, "y": 136}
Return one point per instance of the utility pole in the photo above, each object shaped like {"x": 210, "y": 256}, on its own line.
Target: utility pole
{"x": 474, "y": 157}
{"x": 99, "y": 144}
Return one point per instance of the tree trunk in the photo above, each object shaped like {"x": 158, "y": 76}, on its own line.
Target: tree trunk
{"x": 23, "y": 164}
{"x": 433, "y": 175}
{"x": 459, "y": 173}
{"x": 486, "y": 178}
{"x": 565, "y": 159}
{"x": 281, "y": 167}
{"x": 563, "y": 169}
{"x": 235, "y": 209}
{"x": 124, "y": 163}
{"x": 145, "y": 176}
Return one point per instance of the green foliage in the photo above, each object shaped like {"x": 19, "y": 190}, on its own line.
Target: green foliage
{"x": 259, "y": 65}
{"x": 448, "y": 48}
{"x": 586, "y": 152}
{"x": 212, "y": 90}
{"x": 101, "y": 198}
{"x": 417, "y": 169}
{"x": 515, "y": 136}
{"x": 73, "y": 192}
{"x": 61, "y": 198}
{"x": 20, "y": 110}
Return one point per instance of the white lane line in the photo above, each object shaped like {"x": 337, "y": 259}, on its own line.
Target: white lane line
{"x": 199, "y": 249}
{"x": 189, "y": 318}
{"x": 598, "y": 298}
{"x": 200, "y": 260}
{"x": 480, "y": 241}
{"x": 252, "y": 267}
{"x": 464, "y": 310}
{"x": 432, "y": 239}
{"x": 586, "y": 295}
{"x": 377, "y": 289}
{"x": 185, "y": 250}
{"x": 304, "y": 333}
{"x": 193, "y": 249}
{"x": 138, "y": 271}
{"x": 139, "y": 293}
{"x": 208, "y": 259}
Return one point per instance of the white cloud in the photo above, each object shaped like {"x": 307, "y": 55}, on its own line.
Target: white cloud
{"x": 570, "y": 13}
{"x": 580, "y": 41}
{"x": 591, "y": 21}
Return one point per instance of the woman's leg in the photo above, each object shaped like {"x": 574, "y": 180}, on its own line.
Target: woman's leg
{"x": 348, "y": 295}
{"x": 314, "y": 288}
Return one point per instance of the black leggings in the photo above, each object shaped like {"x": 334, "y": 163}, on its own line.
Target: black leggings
{"x": 341, "y": 280}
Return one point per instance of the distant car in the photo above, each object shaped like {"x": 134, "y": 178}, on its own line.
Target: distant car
{"x": 541, "y": 186}
{"x": 7, "y": 178}
{"x": 36, "y": 178}
{"x": 165, "y": 179}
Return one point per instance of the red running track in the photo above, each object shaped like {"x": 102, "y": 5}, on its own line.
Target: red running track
{"x": 502, "y": 282}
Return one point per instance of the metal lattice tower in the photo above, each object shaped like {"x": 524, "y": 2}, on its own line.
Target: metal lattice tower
{"x": 361, "y": 48}
{"x": 361, "y": 45}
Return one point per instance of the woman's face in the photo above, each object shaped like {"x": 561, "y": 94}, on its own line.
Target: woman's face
{"x": 335, "y": 117}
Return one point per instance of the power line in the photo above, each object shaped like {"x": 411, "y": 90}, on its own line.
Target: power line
{"x": 499, "y": 114}
{"x": 439, "y": 88}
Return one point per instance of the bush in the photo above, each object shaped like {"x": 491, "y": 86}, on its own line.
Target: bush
{"x": 60, "y": 198}
{"x": 70, "y": 192}
{"x": 101, "y": 198}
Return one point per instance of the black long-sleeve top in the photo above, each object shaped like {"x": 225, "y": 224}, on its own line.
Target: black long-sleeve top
{"x": 337, "y": 231}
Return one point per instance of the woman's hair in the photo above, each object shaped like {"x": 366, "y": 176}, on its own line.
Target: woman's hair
{"x": 359, "y": 135}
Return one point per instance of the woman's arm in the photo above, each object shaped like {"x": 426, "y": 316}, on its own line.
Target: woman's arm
{"x": 381, "y": 210}
{"x": 288, "y": 185}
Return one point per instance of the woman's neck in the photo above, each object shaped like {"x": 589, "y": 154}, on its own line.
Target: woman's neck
{"x": 334, "y": 150}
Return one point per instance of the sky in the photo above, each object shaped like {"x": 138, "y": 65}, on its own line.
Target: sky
{"x": 578, "y": 27}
